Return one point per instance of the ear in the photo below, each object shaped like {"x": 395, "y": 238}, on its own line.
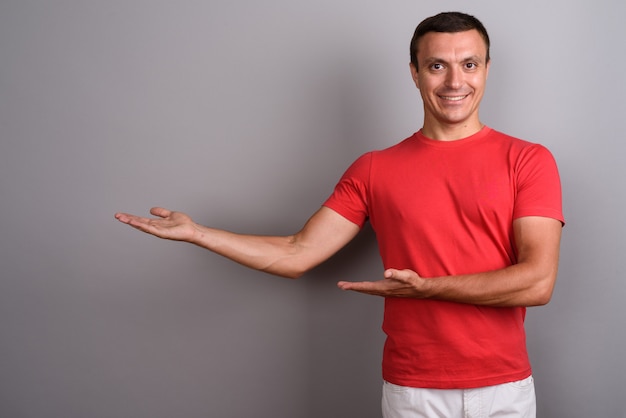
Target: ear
{"x": 414, "y": 75}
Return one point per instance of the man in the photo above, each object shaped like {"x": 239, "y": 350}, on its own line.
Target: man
{"x": 468, "y": 222}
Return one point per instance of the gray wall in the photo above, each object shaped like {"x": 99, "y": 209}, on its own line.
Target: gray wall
{"x": 244, "y": 114}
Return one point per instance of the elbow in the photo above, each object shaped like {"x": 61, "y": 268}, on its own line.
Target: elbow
{"x": 297, "y": 270}
{"x": 290, "y": 272}
{"x": 542, "y": 293}
{"x": 290, "y": 267}
{"x": 293, "y": 275}
{"x": 541, "y": 299}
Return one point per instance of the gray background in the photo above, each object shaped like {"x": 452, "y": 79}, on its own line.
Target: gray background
{"x": 244, "y": 114}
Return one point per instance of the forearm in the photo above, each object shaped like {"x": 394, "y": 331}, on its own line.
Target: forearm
{"x": 521, "y": 284}
{"x": 276, "y": 255}
{"x": 289, "y": 256}
{"x": 529, "y": 282}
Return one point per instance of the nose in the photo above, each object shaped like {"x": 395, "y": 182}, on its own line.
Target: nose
{"x": 454, "y": 78}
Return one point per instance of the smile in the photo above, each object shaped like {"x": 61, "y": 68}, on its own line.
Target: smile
{"x": 454, "y": 98}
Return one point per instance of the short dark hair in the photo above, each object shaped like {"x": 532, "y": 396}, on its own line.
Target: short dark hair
{"x": 447, "y": 22}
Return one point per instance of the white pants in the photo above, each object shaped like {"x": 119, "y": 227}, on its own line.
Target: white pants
{"x": 512, "y": 400}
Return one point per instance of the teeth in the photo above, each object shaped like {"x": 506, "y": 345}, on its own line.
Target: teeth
{"x": 454, "y": 98}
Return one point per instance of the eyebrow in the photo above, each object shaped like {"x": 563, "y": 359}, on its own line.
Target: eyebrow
{"x": 431, "y": 60}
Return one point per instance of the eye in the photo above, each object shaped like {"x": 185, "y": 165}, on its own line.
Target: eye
{"x": 470, "y": 65}
{"x": 436, "y": 66}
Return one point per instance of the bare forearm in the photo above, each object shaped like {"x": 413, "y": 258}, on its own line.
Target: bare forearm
{"x": 529, "y": 282}
{"x": 288, "y": 256}
{"x": 518, "y": 285}
{"x": 283, "y": 256}
{"x": 272, "y": 254}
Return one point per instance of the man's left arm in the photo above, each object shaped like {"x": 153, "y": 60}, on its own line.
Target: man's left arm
{"x": 529, "y": 282}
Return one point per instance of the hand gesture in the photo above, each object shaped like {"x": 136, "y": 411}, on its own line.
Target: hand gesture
{"x": 396, "y": 283}
{"x": 168, "y": 225}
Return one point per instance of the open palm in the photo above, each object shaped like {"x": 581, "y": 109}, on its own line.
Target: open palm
{"x": 167, "y": 224}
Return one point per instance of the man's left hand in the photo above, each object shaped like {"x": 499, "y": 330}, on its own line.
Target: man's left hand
{"x": 396, "y": 283}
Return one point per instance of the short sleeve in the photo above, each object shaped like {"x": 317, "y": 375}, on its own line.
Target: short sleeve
{"x": 538, "y": 185}
{"x": 350, "y": 197}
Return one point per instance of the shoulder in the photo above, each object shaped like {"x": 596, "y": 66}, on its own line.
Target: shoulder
{"x": 401, "y": 148}
{"x": 365, "y": 160}
{"x": 513, "y": 140}
{"x": 510, "y": 140}
{"x": 521, "y": 148}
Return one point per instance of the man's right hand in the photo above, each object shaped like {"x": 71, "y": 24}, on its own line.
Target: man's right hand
{"x": 288, "y": 256}
{"x": 167, "y": 224}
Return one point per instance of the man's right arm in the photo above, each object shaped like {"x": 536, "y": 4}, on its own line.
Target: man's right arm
{"x": 289, "y": 256}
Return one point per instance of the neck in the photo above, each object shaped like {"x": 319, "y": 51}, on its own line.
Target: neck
{"x": 451, "y": 132}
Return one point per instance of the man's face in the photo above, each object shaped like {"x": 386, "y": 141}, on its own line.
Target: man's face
{"x": 451, "y": 78}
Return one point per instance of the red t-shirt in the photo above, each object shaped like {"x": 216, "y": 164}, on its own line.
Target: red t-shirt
{"x": 446, "y": 208}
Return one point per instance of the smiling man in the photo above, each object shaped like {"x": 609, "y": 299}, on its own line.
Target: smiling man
{"x": 450, "y": 69}
{"x": 468, "y": 222}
